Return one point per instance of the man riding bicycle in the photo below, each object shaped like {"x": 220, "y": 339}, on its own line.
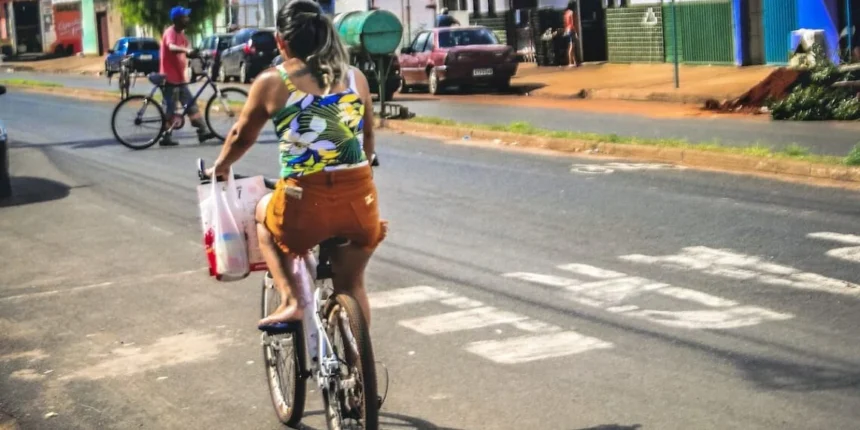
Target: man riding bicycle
{"x": 175, "y": 50}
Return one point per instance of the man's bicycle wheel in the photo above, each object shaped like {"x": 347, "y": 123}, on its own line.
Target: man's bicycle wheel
{"x": 222, "y": 112}
{"x": 284, "y": 358}
{"x": 354, "y": 403}
{"x": 138, "y": 122}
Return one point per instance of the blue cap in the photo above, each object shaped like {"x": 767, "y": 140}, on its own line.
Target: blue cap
{"x": 178, "y": 11}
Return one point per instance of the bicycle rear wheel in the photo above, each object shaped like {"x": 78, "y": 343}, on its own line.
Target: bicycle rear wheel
{"x": 142, "y": 113}
{"x": 355, "y": 404}
{"x": 284, "y": 358}
{"x": 222, "y": 112}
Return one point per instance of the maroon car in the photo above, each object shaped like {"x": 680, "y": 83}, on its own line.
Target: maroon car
{"x": 460, "y": 56}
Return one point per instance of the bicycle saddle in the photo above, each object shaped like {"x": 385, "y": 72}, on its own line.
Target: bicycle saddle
{"x": 157, "y": 79}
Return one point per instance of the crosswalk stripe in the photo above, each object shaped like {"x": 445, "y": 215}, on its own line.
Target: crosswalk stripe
{"x": 462, "y": 320}
{"x": 548, "y": 280}
{"x": 696, "y": 296}
{"x": 531, "y": 348}
{"x": 591, "y": 271}
{"x": 462, "y": 302}
{"x": 848, "y": 239}
{"x": 405, "y": 296}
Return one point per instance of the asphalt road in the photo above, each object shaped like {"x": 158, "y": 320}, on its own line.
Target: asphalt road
{"x": 840, "y": 137}
{"x": 515, "y": 291}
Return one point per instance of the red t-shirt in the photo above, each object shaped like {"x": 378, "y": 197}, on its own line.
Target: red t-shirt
{"x": 569, "y": 20}
{"x": 173, "y": 64}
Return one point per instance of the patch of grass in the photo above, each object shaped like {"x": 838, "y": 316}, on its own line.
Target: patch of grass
{"x": 29, "y": 83}
{"x": 757, "y": 149}
{"x": 853, "y": 158}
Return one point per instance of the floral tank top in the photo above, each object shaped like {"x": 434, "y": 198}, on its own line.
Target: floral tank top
{"x": 319, "y": 133}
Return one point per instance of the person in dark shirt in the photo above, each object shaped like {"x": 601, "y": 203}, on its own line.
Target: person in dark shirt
{"x": 445, "y": 20}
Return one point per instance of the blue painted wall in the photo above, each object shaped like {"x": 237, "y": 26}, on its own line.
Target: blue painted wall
{"x": 821, "y": 15}
{"x": 739, "y": 35}
{"x": 780, "y": 19}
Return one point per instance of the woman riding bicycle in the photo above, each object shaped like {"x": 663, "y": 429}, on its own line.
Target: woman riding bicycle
{"x": 323, "y": 115}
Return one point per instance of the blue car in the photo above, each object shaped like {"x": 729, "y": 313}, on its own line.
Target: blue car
{"x": 144, "y": 50}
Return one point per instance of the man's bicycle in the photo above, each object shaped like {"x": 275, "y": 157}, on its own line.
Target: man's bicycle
{"x": 333, "y": 337}
{"x": 145, "y": 114}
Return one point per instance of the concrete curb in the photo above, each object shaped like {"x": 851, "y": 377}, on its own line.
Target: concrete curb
{"x": 16, "y": 68}
{"x": 79, "y": 93}
{"x": 686, "y": 157}
{"x": 630, "y": 95}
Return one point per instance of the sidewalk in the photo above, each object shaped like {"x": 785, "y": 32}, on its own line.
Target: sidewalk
{"x": 643, "y": 82}
{"x": 90, "y": 65}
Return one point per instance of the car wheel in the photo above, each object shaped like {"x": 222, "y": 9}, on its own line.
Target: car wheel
{"x": 243, "y": 74}
{"x": 433, "y": 86}
{"x": 222, "y": 74}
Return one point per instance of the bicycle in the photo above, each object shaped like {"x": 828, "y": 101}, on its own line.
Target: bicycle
{"x": 161, "y": 124}
{"x": 345, "y": 372}
{"x": 125, "y": 75}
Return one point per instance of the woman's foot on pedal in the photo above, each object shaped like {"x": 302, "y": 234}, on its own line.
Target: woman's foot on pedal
{"x": 282, "y": 317}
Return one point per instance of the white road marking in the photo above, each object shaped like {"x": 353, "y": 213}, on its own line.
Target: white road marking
{"x": 851, "y": 253}
{"x": 462, "y": 320}
{"x": 462, "y": 302}
{"x": 535, "y": 326}
{"x": 537, "y": 278}
{"x": 591, "y": 271}
{"x": 607, "y": 168}
{"x": 697, "y": 296}
{"x": 614, "y": 291}
{"x": 730, "y": 264}
{"x": 712, "y": 319}
{"x": 531, "y": 348}
{"x": 405, "y": 296}
{"x": 614, "y": 294}
{"x": 848, "y": 239}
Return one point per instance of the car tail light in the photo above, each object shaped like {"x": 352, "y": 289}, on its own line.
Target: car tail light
{"x": 249, "y": 49}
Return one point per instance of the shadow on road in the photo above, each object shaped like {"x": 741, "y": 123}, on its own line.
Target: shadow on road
{"x": 393, "y": 421}
{"x": 28, "y": 190}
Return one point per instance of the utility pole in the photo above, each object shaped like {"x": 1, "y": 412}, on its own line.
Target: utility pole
{"x": 675, "y": 37}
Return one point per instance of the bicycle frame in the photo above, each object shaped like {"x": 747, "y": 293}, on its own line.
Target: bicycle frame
{"x": 208, "y": 83}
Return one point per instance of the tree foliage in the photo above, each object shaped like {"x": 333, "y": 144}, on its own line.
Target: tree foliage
{"x": 155, "y": 14}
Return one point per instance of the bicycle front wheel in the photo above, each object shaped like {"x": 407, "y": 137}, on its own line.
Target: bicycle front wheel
{"x": 222, "y": 112}
{"x": 138, "y": 122}
{"x": 284, "y": 358}
{"x": 355, "y": 403}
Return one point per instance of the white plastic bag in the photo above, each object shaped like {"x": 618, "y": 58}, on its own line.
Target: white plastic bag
{"x": 226, "y": 245}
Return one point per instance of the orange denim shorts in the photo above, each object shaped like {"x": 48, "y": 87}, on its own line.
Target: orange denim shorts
{"x": 337, "y": 203}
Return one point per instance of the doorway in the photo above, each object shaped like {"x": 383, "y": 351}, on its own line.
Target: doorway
{"x": 27, "y": 31}
{"x": 753, "y": 28}
{"x": 102, "y": 22}
{"x": 593, "y": 18}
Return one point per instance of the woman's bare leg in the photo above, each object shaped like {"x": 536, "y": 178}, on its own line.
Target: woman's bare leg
{"x": 280, "y": 267}
{"x": 348, "y": 263}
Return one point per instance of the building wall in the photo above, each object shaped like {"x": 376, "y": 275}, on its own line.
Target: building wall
{"x": 635, "y": 34}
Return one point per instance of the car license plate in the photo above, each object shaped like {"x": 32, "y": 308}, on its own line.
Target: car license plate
{"x": 482, "y": 72}
{"x": 146, "y": 57}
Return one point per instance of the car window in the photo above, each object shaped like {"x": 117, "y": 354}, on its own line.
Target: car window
{"x": 264, "y": 41}
{"x": 418, "y": 44}
{"x": 142, "y": 45}
{"x": 431, "y": 43}
{"x": 118, "y": 45}
{"x": 224, "y": 43}
{"x": 471, "y": 36}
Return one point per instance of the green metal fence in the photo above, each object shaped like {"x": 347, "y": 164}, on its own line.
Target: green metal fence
{"x": 705, "y": 32}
